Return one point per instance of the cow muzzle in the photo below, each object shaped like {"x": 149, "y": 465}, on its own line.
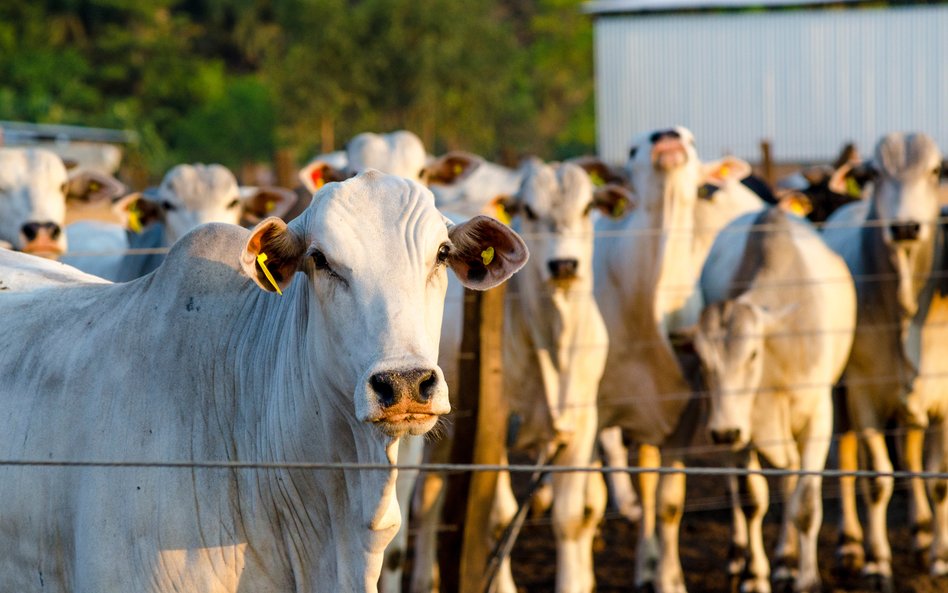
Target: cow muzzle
{"x": 406, "y": 400}
{"x": 727, "y": 436}
{"x": 42, "y": 239}
{"x": 668, "y": 152}
{"x": 562, "y": 270}
{"x": 906, "y": 230}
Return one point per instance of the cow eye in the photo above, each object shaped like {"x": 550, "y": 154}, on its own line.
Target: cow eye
{"x": 528, "y": 211}
{"x": 444, "y": 252}
{"x": 632, "y": 152}
{"x": 233, "y": 204}
{"x": 168, "y": 206}
{"x": 64, "y": 188}
{"x": 320, "y": 261}
{"x": 936, "y": 171}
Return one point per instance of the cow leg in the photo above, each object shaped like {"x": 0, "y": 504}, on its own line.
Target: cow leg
{"x": 575, "y": 513}
{"x": 849, "y": 554}
{"x": 788, "y": 550}
{"x": 919, "y": 511}
{"x": 671, "y": 506}
{"x": 502, "y": 513}
{"x": 410, "y": 452}
{"x": 754, "y": 491}
{"x": 646, "y": 553}
{"x": 878, "y": 568}
{"x": 938, "y": 462}
{"x": 805, "y": 503}
{"x": 425, "y": 577}
{"x": 737, "y": 555}
{"x": 620, "y": 483}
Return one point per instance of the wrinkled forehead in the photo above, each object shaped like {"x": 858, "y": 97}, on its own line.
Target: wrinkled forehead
{"x": 198, "y": 186}
{"x": 31, "y": 167}
{"x": 377, "y": 215}
{"x": 730, "y": 324}
{"x": 562, "y": 192}
{"x": 906, "y": 157}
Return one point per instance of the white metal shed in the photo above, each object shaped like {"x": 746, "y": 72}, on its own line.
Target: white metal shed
{"x": 808, "y": 76}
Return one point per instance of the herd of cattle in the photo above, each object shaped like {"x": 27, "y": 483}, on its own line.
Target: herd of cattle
{"x": 663, "y": 303}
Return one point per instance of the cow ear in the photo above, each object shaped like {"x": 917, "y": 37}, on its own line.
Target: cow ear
{"x": 449, "y": 168}
{"x": 485, "y": 252}
{"x": 261, "y": 202}
{"x": 137, "y": 211}
{"x": 794, "y": 202}
{"x": 614, "y": 200}
{"x": 504, "y": 208}
{"x": 599, "y": 172}
{"x": 318, "y": 173}
{"x": 851, "y": 179}
{"x": 730, "y": 168}
{"x": 272, "y": 255}
{"x": 92, "y": 186}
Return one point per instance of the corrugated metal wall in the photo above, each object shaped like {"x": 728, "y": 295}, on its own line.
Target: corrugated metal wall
{"x": 808, "y": 80}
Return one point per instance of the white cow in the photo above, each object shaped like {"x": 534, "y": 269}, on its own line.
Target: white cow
{"x": 467, "y": 184}
{"x": 189, "y": 195}
{"x": 888, "y": 242}
{"x": 205, "y": 362}
{"x": 34, "y": 188}
{"x": 399, "y": 153}
{"x": 773, "y": 340}
{"x": 555, "y": 347}
{"x": 646, "y": 283}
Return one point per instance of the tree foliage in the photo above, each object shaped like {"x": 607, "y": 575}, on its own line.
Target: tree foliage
{"x": 231, "y": 80}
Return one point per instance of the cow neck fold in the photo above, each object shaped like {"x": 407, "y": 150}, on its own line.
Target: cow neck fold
{"x": 562, "y": 323}
{"x": 674, "y": 247}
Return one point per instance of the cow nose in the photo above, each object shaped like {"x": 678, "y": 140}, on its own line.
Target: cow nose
{"x": 728, "y": 436}
{"x": 905, "y": 230}
{"x": 31, "y": 230}
{"x": 392, "y": 387}
{"x": 563, "y": 269}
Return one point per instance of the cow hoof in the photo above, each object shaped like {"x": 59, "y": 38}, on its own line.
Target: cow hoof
{"x": 850, "y": 562}
{"x": 879, "y": 583}
{"x": 783, "y": 584}
{"x": 755, "y": 586}
{"x": 645, "y": 588}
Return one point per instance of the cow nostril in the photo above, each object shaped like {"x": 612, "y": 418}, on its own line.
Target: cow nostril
{"x": 384, "y": 388}
{"x": 427, "y": 387}
{"x": 726, "y": 437}
{"x": 54, "y": 230}
{"x": 905, "y": 231}
{"x": 30, "y": 230}
{"x": 563, "y": 269}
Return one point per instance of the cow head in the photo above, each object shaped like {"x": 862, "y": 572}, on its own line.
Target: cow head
{"x": 190, "y": 195}
{"x": 729, "y": 341}
{"x": 553, "y": 210}
{"x": 666, "y": 158}
{"x": 34, "y": 189}
{"x": 373, "y": 253}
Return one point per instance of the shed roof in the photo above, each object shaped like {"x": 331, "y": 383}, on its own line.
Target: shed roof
{"x": 611, "y": 7}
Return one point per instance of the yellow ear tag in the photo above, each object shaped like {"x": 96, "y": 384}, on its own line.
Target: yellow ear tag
{"x": 487, "y": 256}
{"x": 262, "y": 258}
{"x": 798, "y": 207}
{"x": 723, "y": 171}
{"x": 501, "y": 213}
{"x": 852, "y": 188}
{"x": 596, "y": 178}
{"x": 458, "y": 169}
{"x": 269, "y": 205}
{"x": 134, "y": 218}
{"x": 619, "y": 209}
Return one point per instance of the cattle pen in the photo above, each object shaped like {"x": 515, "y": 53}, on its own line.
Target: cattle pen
{"x": 705, "y": 527}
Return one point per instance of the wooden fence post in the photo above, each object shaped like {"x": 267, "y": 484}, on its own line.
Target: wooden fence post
{"x": 480, "y": 413}
{"x": 285, "y": 168}
{"x": 766, "y": 162}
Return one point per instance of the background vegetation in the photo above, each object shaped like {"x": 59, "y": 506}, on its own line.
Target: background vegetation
{"x": 232, "y": 80}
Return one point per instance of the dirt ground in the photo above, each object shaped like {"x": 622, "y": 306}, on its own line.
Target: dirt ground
{"x": 704, "y": 546}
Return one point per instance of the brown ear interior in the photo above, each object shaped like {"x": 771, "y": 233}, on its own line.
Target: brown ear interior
{"x": 486, "y": 252}
{"x": 282, "y": 248}
{"x": 613, "y": 201}
{"x": 449, "y": 168}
